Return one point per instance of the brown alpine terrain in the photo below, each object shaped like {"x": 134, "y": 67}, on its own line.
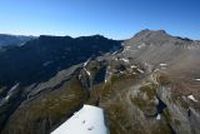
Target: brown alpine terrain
{"x": 149, "y": 84}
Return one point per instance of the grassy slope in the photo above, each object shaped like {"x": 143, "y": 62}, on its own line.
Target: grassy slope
{"x": 47, "y": 110}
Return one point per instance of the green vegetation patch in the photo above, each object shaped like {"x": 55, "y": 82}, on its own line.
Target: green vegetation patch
{"x": 145, "y": 99}
{"x": 150, "y": 89}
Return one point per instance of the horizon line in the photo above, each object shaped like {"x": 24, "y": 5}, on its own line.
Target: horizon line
{"x": 88, "y": 35}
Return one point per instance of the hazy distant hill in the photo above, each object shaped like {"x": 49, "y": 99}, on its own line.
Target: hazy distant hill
{"x": 7, "y": 40}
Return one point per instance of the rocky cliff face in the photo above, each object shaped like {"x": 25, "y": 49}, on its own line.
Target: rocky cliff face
{"x": 148, "y": 85}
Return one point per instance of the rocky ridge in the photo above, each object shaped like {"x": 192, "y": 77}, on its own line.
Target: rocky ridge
{"x": 149, "y": 85}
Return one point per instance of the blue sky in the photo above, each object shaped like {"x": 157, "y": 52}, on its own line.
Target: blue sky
{"x": 118, "y": 19}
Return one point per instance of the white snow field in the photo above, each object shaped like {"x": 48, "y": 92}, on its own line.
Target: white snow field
{"x": 88, "y": 120}
{"x": 191, "y": 97}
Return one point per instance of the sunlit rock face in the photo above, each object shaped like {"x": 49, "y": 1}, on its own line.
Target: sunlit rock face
{"x": 148, "y": 85}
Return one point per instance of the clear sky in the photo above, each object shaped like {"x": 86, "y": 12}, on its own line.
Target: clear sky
{"x": 118, "y": 19}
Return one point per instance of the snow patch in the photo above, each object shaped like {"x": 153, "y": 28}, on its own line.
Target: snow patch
{"x": 88, "y": 120}
{"x": 114, "y": 52}
{"x": 158, "y": 117}
{"x": 140, "y": 70}
{"x": 87, "y": 72}
{"x": 197, "y": 79}
{"x": 13, "y": 88}
{"x": 163, "y": 64}
{"x": 86, "y": 63}
{"x": 7, "y": 97}
{"x": 133, "y": 66}
{"x": 116, "y": 59}
{"x": 141, "y": 46}
{"x": 10, "y": 92}
{"x": 125, "y": 60}
{"x": 105, "y": 80}
{"x": 121, "y": 72}
{"x": 108, "y": 74}
{"x": 134, "y": 73}
{"x": 156, "y": 70}
{"x": 191, "y": 97}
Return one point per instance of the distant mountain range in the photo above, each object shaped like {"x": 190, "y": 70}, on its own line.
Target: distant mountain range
{"x": 148, "y": 84}
{"x": 41, "y": 58}
{"x": 12, "y": 40}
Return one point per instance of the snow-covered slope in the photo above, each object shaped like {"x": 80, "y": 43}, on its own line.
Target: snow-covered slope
{"x": 89, "y": 120}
